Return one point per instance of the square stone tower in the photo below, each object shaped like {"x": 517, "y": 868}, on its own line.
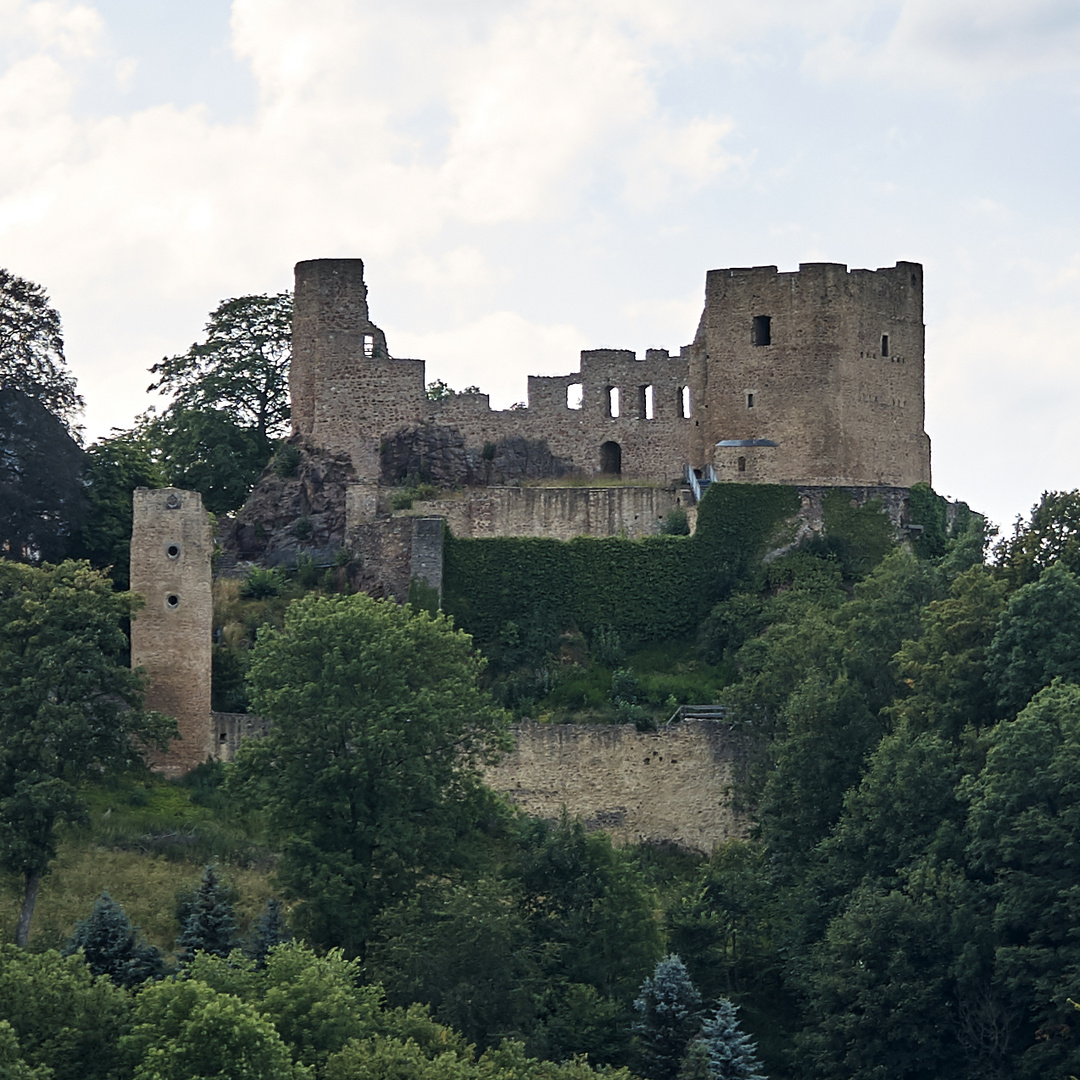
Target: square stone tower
{"x": 812, "y": 377}
{"x": 171, "y": 547}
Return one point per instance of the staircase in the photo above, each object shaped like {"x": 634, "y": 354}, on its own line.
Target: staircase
{"x": 699, "y": 484}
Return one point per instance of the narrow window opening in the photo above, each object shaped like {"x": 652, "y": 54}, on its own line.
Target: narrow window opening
{"x": 884, "y": 344}
{"x": 613, "y": 401}
{"x": 749, "y": 399}
{"x": 742, "y": 464}
{"x": 684, "y": 402}
{"x": 647, "y": 403}
{"x": 369, "y": 344}
{"x": 575, "y": 395}
{"x": 762, "y": 331}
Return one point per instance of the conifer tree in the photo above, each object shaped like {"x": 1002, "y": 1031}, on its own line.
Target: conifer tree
{"x": 209, "y": 925}
{"x": 112, "y": 946}
{"x": 270, "y": 930}
{"x": 669, "y": 1016}
{"x": 732, "y": 1054}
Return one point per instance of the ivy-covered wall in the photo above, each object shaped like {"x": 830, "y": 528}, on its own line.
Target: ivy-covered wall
{"x": 655, "y": 588}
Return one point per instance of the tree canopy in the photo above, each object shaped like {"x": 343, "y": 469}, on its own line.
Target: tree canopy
{"x": 42, "y": 501}
{"x": 370, "y": 772}
{"x": 32, "y": 348}
{"x": 242, "y": 367}
{"x": 70, "y": 707}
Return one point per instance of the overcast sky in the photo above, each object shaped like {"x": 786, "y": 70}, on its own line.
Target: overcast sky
{"x": 527, "y": 178}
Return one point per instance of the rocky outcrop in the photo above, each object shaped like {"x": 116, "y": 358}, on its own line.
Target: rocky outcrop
{"x": 438, "y": 455}
{"x": 286, "y": 515}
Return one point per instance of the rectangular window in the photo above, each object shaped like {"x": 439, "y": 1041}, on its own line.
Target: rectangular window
{"x": 762, "y": 331}
{"x": 574, "y": 395}
{"x": 884, "y": 344}
{"x": 646, "y": 400}
{"x": 369, "y": 344}
{"x": 684, "y": 402}
{"x": 613, "y": 401}
{"x": 749, "y": 399}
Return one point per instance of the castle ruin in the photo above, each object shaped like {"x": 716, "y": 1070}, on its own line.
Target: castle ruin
{"x": 812, "y": 378}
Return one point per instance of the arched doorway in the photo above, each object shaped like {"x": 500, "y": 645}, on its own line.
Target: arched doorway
{"x": 611, "y": 459}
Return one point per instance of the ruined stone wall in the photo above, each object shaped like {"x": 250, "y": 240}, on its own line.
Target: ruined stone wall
{"x": 230, "y": 729}
{"x": 557, "y": 512}
{"x": 345, "y": 389}
{"x": 641, "y": 787}
{"x": 826, "y": 364}
{"x": 171, "y": 547}
{"x": 823, "y": 363}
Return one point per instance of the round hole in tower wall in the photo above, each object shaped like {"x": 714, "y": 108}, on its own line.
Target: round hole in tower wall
{"x": 172, "y": 600}
{"x": 172, "y": 501}
{"x": 173, "y": 551}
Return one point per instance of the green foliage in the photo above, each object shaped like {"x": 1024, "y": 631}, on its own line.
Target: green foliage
{"x": 1051, "y": 535}
{"x": 465, "y": 950}
{"x": 286, "y": 462}
{"x": 207, "y": 450}
{"x": 858, "y": 537}
{"x": 63, "y": 1019}
{"x": 732, "y": 1054}
{"x": 115, "y": 467}
{"x": 32, "y": 349}
{"x": 271, "y": 929}
{"x": 242, "y": 368}
{"x": 208, "y": 923}
{"x": 370, "y": 772}
{"x": 422, "y": 596}
{"x": 41, "y": 495}
{"x": 1038, "y": 639}
{"x": 70, "y": 708}
{"x": 930, "y": 510}
{"x": 261, "y": 583}
{"x": 647, "y": 590}
{"x": 403, "y": 499}
{"x": 669, "y": 1015}
{"x": 111, "y": 946}
{"x": 186, "y": 1029}
{"x": 675, "y": 523}
{"x": 944, "y": 665}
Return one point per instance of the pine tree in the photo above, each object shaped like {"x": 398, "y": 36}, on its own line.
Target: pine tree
{"x": 270, "y": 930}
{"x": 732, "y": 1053}
{"x": 669, "y": 1016}
{"x": 209, "y": 925}
{"x": 113, "y": 947}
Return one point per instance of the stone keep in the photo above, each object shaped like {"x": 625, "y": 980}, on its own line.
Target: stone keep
{"x": 171, "y": 546}
{"x": 813, "y": 377}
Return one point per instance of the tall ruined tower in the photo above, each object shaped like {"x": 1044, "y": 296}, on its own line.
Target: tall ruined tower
{"x": 344, "y": 386}
{"x": 171, "y": 546}
{"x": 813, "y": 377}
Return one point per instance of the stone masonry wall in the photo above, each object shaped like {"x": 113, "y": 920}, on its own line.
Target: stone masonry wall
{"x": 652, "y": 787}
{"x": 171, "y": 546}
{"x": 825, "y": 363}
{"x": 557, "y": 512}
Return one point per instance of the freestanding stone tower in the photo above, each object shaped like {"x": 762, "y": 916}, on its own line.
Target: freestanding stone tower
{"x": 171, "y": 545}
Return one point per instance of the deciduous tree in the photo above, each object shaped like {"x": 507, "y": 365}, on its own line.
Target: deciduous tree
{"x": 32, "y": 348}
{"x": 70, "y": 708}
{"x": 242, "y": 367}
{"x": 371, "y": 771}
